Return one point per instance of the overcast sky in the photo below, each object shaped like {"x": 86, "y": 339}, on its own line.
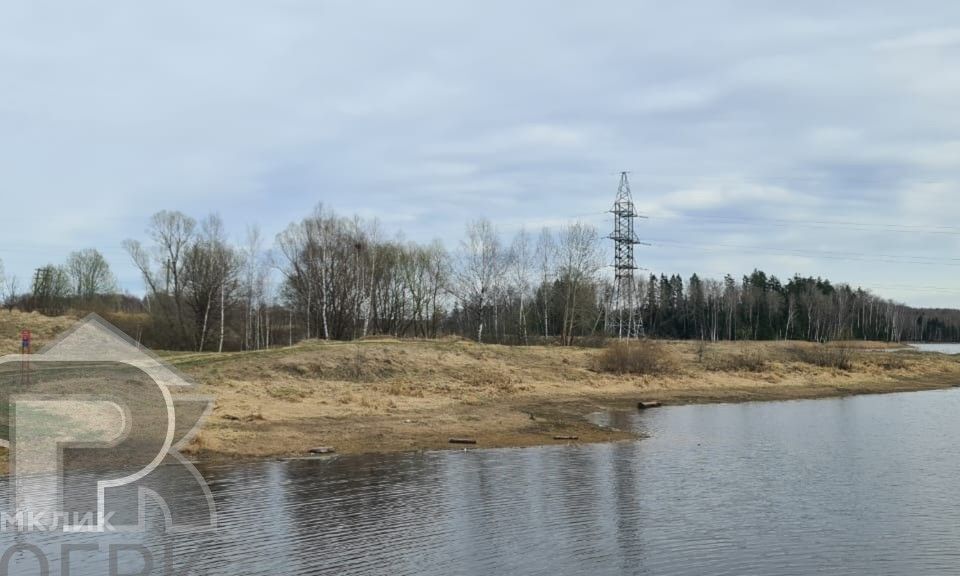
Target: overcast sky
{"x": 746, "y": 125}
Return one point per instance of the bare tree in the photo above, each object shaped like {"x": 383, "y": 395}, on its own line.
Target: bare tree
{"x": 479, "y": 268}
{"x": 10, "y": 289}
{"x": 545, "y": 256}
{"x": 291, "y": 244}
{"x": 367, "y": 244}
{"x": 439, "y": 274}
{"x": 297, "y": 248}
{"x": 162, "y": 267}
{"x": 253, "y": 273}
{"x": 317, "y": 230}
{"x": 50, "y": 290}
{"x": 90, "y": 274}
{"x": 340, "y": 279}
{"x": 520, "y": 265}
{"x": 579, "y": 260}
{"x": 209, "y": 277}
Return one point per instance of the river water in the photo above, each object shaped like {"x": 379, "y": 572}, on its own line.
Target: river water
{"x": 947, "y": 348}
{"x": 859, "y": 485}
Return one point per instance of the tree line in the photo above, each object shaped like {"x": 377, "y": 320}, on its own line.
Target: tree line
{"x": 333, "y": 277}
{"x": 84, "y": 281}
{"x": 761, "y": 307}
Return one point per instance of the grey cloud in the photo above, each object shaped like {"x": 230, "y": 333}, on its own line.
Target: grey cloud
{"x": 426, "y": 114}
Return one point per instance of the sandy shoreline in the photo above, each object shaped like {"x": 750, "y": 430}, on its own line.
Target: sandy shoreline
{"x": 385, "y": 395}
{"x": 388, "y": 396}
{"x": 548, "y": 423}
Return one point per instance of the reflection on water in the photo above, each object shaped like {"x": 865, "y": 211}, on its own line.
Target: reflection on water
{"x": 861, "y": 485}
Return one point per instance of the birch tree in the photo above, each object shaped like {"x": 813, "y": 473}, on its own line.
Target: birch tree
{"x": 520, "y": 264}
{"x": 545, "y": 256}
{"x": 480, "y": 264}
{"x": 579, "y": 260}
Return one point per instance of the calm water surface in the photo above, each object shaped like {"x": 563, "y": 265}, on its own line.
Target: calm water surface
{"x": 861, "y": 485}
{"x": 941, "y": 348}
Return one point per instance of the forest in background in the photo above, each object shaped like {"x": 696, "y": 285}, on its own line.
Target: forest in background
{"x": 334, "y": 277}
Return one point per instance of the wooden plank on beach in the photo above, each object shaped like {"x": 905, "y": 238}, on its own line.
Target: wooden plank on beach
{"x": 566, "y": 437}
{"x": 650, "y": 404}
{"x": 462, "y": 441}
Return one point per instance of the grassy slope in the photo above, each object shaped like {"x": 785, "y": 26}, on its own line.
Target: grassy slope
{"x": 43, "y": 329}
{"x": 387, "y": 395}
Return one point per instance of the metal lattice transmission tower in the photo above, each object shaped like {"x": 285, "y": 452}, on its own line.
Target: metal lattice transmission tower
{"x": 629, "y": 323}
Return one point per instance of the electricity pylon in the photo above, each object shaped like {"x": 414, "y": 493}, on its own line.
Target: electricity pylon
{"x": 629, "y": 323}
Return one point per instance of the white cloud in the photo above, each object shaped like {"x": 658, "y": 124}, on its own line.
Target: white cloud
{"x": 662, "y": 99}
{"x": 427, "y": 114}
{"x": 924, "y": 39}
{"x": 937, "y": 155}
{"x": 711, "y": 197}
{"x": 833, "y": 138}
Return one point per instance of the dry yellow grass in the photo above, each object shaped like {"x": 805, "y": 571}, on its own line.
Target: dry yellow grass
{"x": 386, "y": 395}
{"x": 381, "y": 394}
{"x": 43, "y": 329}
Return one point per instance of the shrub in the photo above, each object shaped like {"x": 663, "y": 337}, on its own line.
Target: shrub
{"x": 633, "y": 357}
{"x": 287, "y": 393}
{"x": 890, "y": 360}
{"x": 595, "y": 341}
{"x": 745, "y": 362}
{"x": 839, "y": 357}
{"x": 701, "y": 349}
